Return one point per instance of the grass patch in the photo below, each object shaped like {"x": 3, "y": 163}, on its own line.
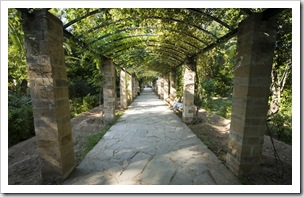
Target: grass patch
{"x": 92, "y": 140}
{"x": 221, "y": 106}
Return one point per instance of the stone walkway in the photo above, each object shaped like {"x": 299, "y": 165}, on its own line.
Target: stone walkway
{"x": 150, "y": 145}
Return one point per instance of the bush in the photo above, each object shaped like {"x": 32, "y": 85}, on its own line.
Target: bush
{"x": 208, "y": 86}
{"x": 20, "y": 118}
{"x": 80, "y": 105}
{"x": 279, "y": 129}
{"x": 225, "y": 109}
{"x": 280, "y": 124}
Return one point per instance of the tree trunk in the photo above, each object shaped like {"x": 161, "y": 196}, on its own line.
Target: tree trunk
{"x": 278, "y": 78}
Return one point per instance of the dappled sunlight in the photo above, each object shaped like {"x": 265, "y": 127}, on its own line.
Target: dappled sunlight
{"x": 150, "y": 145}
{"x": 220, "y": 129}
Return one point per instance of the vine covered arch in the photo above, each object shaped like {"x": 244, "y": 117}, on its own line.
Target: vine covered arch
{"x": 103, "y": 30}
{"x": 158, "y": 39}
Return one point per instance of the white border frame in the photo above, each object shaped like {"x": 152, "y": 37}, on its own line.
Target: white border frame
{"x": 294, "y": 188}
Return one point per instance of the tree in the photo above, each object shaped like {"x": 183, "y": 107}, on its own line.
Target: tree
{"x": 282, "y": 65}
{"x": 16, "y": 53}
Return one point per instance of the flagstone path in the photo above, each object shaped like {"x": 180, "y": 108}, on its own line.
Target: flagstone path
{"x": 150, "y": 145}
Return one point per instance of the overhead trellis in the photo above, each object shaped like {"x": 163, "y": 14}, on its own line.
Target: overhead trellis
{"x": 159, "y": 39}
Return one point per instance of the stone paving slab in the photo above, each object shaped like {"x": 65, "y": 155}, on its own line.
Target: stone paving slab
{"x": 150, "y": 145}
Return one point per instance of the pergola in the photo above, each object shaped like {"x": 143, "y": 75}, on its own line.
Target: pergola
{"x": 168, "y": 38}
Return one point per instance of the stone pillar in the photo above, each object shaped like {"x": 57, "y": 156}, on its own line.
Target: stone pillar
{"x": 155, "y": 86}
{"x": 172, "y": 79}
{"x": 129, "y": 88}
{"x": 166, "y": 88}
{"x": 161, "y": 89}
{"x": 188, "y": 95}
{"x": 137, "y": 88}
{"x": 133, "y": 87}
{"x": 123, "y": 90}
{"x": 109, "y": 90}
{"x": 49, "y": 92}
{"x": 255, "y": 49}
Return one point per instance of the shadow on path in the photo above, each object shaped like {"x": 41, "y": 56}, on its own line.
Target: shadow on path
{"x": 150, "y": 145}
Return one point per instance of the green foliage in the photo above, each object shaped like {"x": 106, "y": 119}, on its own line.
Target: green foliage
{"x": 16, "y": 52}
{"x": 281, "y": 88}
{"x": 224, "y": 108}
{"x": 80, "y": 88}
{"x": 140, "y": 37}
{"x": 20, "y": 118}
{"x": 217, "y": 65}
{"x": 79, "y": 105}
{"x": 283, "y": 52}
{"x": 208, "y": 86}
{"x": 136, "y": 39}
{"x": 279, "y": 130}
{"x": 84, "y": 78}
{"x": 286, "y": 106}
{"x": 219, "y": 106}
{"x": 280, "y": 124}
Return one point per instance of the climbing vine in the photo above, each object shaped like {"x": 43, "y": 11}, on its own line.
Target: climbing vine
{"x": 154, "y": 41}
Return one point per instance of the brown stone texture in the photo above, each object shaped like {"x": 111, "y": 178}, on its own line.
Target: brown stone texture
{"x": 49, "y": 92}
{"x": 159, "y": 90}
{"x": 133, "y": 87}
{"x": 188, "y": 95}
{"x": 161, "y": 87}
{"x": 172, "y": 79}
{"x": 123, "y": 90}
{"x": 137, "y": 88}
{"x": 166, "y": 87}
{"x": 255, "y": 46}
{"x": 109, "y": 90}
{"x": 129, "y": 88}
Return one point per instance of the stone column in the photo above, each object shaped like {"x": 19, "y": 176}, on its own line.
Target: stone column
{"x": 255, "y": 49}
{"x": 123, "y": 90}
{"x": 109, "y": 90}
{"x": 49, "y": 92}
{"x": 133, "y": 88}
{"x": 155, "y": 86}
{"x": 158, "y": 86}
{"x": 172, "y": 78}
{"x": 161, "y": 89}
{"x": 166, "y": 87}
{"x": 137, "y": 88}
{"x": 188, "y": 95}
{"x": 129, "y": 88}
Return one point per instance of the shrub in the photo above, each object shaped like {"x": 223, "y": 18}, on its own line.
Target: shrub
{"x": 279, "y": 129}
{"x": 280, "y": 123}
{"x": 20, "y": 118}
{"x": 80, "y": 105}
{"x": 208, "y": 86}
{"x": 225, "y": 109}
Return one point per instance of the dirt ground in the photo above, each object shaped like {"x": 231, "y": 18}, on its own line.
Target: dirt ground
{"x": 213, "y": 130}
{"x": 24, "y": 165}
{"x": 23, "y": 162}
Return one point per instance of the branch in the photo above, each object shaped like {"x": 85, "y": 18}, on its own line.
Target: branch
{"x": 285, "y": 76}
